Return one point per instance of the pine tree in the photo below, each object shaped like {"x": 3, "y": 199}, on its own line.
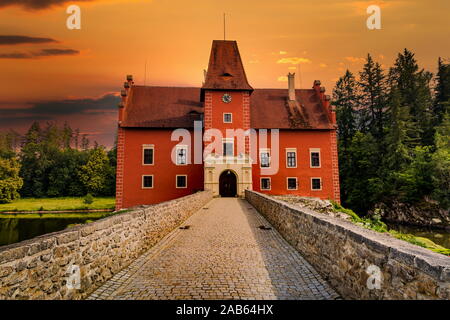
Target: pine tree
{"x": 442, "y": 92}
{"x": 415, "y": 93}
{"x": 345, "y": 100}
{"x": 373, "y": 89}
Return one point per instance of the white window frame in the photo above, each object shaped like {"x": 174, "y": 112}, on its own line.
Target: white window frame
{"x": 287, "y": 183}
{"x": 145, "y": 147}
{"x": 228, "y": 140}
{"x": 178, "y": 147}
{"x": 321, "y": 185}
{"x": 311, "y": 151}
{"x": 142, "y": 181}
{"x": 231, "y": 117}
{"x": 270, "y": 183}
{"x": 291, "y": 150}
{"x": 176, "y": 181}
{"x": 261, "y": 151}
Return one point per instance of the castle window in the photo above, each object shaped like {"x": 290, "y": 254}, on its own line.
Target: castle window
{"x": 264, "y": 156}
{"x": 292, "y": 183}
{"x": 147, "y": 182}
{"x": 265, "y": 184}
{"x": 315, "y": 158}
{"x": 228, "y": 147}
{"x": 181, "y": 155}
{"x": 148, "y": 154}
{"x": 181, "y": 181}
{"x": 291, "y": 158}
{"x": 227, "y": 118}
{"x": 316, "y": 184}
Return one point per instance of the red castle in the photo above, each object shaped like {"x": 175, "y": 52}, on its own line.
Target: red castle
{"x": 152, "y": 168}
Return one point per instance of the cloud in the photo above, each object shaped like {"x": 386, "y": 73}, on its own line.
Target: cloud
{"x": 56, "y": 52}
{"x": 355, "y": 59}
{"x": 50, "y": 109}
{"x": 42, "y": 53}
{"x": 283, "y": 52}
{"x": 15, "y": 55}
{"x": 294, "y": 60}
{"x": 323, "y": 65}
{"x": 36, "y": 4}
{"x": 14, "y": 39}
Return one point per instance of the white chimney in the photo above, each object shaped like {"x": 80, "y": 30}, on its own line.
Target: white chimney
{"x": 291, "y": 86}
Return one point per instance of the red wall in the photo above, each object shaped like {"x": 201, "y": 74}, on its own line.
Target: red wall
{"x": 303, "y": 141}
{"x": 164, "y": 170}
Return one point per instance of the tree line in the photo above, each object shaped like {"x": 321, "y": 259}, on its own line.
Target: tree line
{"x": 54, "y": 161}
{"x": 394, "y": 134}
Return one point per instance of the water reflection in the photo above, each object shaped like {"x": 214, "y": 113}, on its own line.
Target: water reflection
{"x": 438, "y": 236}
{"x": 14, "y": 230}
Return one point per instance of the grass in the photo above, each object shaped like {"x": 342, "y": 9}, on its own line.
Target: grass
{"x": 57, "y": 204}
{"x": 379, "y": 226}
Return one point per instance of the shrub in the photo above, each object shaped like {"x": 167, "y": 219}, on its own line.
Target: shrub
{"x": 88, "y": 199}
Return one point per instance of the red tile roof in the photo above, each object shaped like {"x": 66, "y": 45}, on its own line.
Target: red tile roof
{"x": 162, "y": 107}
{"x": 225, "y": 69}
{"x": 172, "y": 107}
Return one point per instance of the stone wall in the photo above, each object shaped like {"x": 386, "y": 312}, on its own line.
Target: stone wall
{"x": 349, "y": 256}
{"x": 39, "y": 268}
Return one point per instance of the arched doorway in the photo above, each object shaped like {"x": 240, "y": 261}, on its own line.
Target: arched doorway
{"x": 227, "y": 184}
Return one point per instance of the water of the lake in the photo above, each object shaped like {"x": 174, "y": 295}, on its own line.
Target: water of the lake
{"x": 438, "y": 236}
{"x": 14, "y": 230}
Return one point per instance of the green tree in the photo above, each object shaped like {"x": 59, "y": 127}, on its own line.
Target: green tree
{"x": 373, "y": 88}
{"x": 415, "y": 93}
{"x": 346, "y": 102}
{"x": 442, "y": 92}
{"x": 10, "y": 181}
{"x": 363, "y": 184}
{"x": 441, "y": 164}
{"x": 94, "y": 174}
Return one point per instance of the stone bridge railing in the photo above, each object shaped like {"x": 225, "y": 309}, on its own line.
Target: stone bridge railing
{"x": 40, "y": 268}
{"x": 359, "y": 263}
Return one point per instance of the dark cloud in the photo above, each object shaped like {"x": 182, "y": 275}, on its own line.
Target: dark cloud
{"x": 42, "y": 53}
{"x": 56, "y": 52}
{"x": 36, "y": 4}
{"x": 107, "y": 103}
{"x": 15, "y": 55}
{"x": 14, "y": 39}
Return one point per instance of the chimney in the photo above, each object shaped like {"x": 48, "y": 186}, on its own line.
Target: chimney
{"x": 291, "y": 86}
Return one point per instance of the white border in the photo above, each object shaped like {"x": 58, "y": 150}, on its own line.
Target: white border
{"x": 296, "y": 159}
{"x": 142, "y": 181}
{"x": 231, "y": 115}
{"x": 148, "y": 146}
{"x": 260, "y": 183}
{"x": 315, "y": 150}
{"x": 181, "y": 146}
{"x": 287, "y": 183}
{"x": 265, "y": 150}
{"x": 321, "y": 185}
{"x": 176, "y": 181}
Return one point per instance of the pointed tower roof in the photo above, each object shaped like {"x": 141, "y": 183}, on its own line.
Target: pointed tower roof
{"x": 225, "y": 70}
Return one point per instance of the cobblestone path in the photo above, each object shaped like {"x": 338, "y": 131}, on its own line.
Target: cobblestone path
{"x": 222, "y": 255}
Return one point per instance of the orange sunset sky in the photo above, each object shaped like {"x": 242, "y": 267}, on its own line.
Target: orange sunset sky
{"x": 49, "y": 72}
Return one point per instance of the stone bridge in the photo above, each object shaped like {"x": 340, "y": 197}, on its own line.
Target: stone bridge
{"x": 199, "y": 247}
